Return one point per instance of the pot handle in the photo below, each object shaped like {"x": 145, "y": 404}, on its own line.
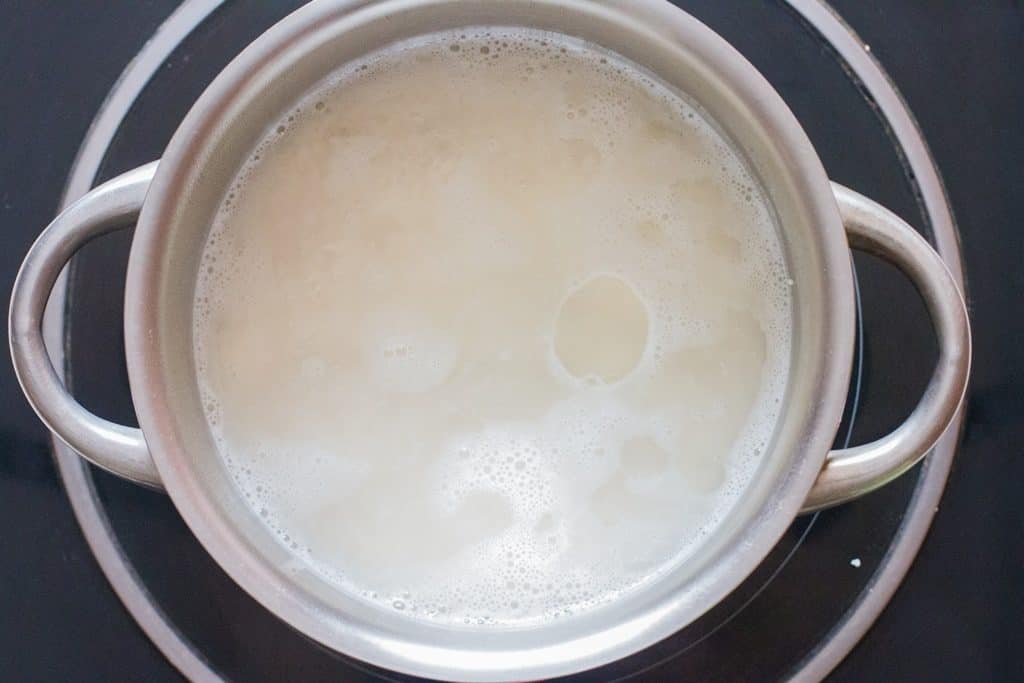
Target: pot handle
{"x": 852, "y": 472}
{"x": 114, "y": 447}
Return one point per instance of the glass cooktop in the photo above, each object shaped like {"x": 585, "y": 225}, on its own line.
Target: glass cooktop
{"x": 770, "y": 628}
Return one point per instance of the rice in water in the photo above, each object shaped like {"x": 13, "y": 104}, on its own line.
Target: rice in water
{"x": 492, "y": 328}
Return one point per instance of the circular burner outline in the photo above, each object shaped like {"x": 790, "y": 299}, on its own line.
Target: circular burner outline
{"x": 852, "y": 53}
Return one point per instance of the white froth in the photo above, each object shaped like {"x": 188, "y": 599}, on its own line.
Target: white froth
{"x": 492, "y": 328}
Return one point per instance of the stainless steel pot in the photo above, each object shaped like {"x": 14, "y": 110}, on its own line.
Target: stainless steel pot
{"x": 175, "y": 201}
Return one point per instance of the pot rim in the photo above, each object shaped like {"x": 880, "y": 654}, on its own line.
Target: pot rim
{"x": 377, "y": 643}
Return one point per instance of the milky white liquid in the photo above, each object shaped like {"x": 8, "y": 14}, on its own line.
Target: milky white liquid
{"x": 492, "y": 328}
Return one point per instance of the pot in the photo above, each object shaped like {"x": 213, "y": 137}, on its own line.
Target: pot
{"x": 175, "y": 200}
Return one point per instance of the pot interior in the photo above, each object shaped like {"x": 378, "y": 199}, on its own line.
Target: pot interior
{"x": 200, "y": 164}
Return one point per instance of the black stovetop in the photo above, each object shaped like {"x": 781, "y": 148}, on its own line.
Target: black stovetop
{"x": 957, "y": 615}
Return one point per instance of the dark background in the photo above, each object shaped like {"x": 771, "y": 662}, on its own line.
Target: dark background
{"x": 958, "y": 616}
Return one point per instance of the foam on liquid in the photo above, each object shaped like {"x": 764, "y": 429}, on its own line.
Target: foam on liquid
{"x": 492, "y": 328}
